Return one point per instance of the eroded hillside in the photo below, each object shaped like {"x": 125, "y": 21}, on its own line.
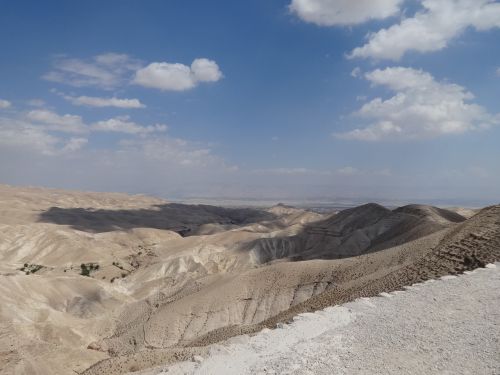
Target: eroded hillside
{"x": 108, "y": 283}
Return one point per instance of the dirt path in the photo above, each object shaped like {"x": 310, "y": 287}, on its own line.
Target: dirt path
{"x": 448, "y": 326}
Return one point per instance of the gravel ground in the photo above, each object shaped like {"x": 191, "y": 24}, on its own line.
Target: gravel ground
{"x": 447, "y": 326}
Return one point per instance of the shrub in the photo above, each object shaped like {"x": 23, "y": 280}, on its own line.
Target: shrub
{"x": 85, "y": 271}
{"x": 30, "y": 268}
{"x": 88, "y": 268}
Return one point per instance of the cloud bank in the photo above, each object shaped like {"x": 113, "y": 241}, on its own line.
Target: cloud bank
{"x": 92, "y": 101}
{"x": 110, "y": 71}
{"x": 343, "y": 12}
{"x": 4, "y": 104}
{"x": 106, "y": 71}
{"x": 430, "y": 29}
{"x": 124, "y": 125}
{"x": 420, "y": 108}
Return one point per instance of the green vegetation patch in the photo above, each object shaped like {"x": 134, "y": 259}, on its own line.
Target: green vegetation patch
{"x": 118, "y": 265}
{"x": 87, "y": 268}
{"x": 31, "y": 268}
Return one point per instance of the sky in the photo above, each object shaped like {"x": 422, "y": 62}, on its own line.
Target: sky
{"x": 380, "y": 100}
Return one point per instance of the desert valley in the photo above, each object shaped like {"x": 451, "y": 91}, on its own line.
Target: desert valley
{"x": 103, "y": 283}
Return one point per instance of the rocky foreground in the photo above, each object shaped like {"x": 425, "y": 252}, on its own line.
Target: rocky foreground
{"x": 446, "y": 326}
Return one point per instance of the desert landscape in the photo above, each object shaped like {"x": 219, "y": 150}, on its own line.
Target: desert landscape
{"x": 107, "y": 283}
{"x": 286, "y": 187}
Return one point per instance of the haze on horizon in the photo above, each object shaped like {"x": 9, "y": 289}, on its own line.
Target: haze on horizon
{"x": 290, "y": 99}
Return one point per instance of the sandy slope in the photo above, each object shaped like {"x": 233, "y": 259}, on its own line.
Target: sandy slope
{"x": 166, "y": 279}
{"x": 448, "y": 326}
{"x": 53, "y": 319}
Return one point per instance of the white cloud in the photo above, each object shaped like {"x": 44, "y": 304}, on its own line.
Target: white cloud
{"x": 18, "y": 134}
{"x": 471, "y": 172}
{"x": 165, "y": 76}
{"x": 4, "y": 104}
{"x": 343, "y": 12}
{"x": 205, "y": 70}
{"x": 51, "y": 121}
{"x": 498, "y": 72}
{"x": 105, "y": 71}
{"x": 348, "y": 171}
{"x": 356, "y": 72}
{"x": 124, "y": 125}
{"x": 421, "y": 108}
{"x": 430, "y": 29}
{"x": 111, "y": 70}
{"x": 178, "y": 77}
{"x": 92, "y": 101}
{"x": 283, "y": 170}
{"x": 56, "y": 122}
{"x": 171, "y": 151}
{"x": 74, "y": 144}
{"x": 23, "y": 135}
{"x": 352, "y": 171}
{"x": 44, "y": 147}
{"x": 153, "y": 164}
{"x": 156, "y": 163}
{"x": 36, "y": 103}
{"x": 118, "y": 61}
{"x": 291, "y": 171}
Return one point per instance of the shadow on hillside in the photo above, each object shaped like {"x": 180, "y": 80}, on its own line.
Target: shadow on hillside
{"x": 360, "y": 230}
{"x": 181, "y": 218}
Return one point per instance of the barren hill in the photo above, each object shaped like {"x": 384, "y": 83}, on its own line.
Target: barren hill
{"x": 102, "y": 283}
{"x": 356, "y": 231}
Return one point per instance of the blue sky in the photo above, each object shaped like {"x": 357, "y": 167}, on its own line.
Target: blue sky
{"x": 385, "y": 100}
